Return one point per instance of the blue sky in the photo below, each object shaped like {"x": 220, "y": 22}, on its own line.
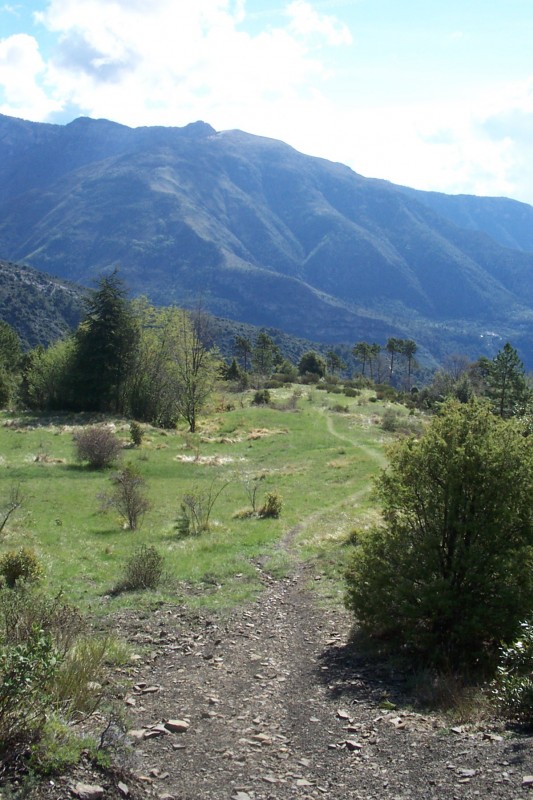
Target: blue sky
{"x": 432, "y": 94}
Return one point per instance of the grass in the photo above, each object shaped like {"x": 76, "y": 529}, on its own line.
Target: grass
{"x": 320, "y": 461}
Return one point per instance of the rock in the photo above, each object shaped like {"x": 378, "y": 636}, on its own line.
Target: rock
{"x": 343, "y": 714}
{"x": 123, "y": 789}
{"x": 527, "y": 782}
{"x": 241, "y": 796}
{"x": 352, "y": 745}
{"x": 87, "y": 791}
{"x": 177, "y": 725}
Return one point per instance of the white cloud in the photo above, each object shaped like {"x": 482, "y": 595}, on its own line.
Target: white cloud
{"x": 21, "y": 66}
{"x": 305, "y": 21}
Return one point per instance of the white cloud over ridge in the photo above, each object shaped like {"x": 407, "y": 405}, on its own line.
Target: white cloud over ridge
{"x": 171, "y": 62}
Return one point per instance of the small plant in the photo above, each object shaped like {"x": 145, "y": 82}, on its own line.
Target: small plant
{"x": 20, "y": 565}
{"x": 143, "y": 570}
{"x": 251, "y": 486}
{"x": 195, "y": 510}
{"x": 261, "y": 397}
{"x": 98, "y": 446}
{"x": 58, "y": 748}
{"x": 136, "y": 433}
{"x": 272, "y": 506}
{"x": 128, "y": 497}
{"x": 26, "y": 672}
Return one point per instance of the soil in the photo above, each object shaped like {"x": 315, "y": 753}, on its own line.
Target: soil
{"x": 276, "y": 702}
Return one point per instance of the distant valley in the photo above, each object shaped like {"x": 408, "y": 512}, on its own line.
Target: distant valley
{"x": 264, "y": 235}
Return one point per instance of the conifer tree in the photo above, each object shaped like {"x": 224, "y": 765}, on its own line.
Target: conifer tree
{"x": 105, "y": 345}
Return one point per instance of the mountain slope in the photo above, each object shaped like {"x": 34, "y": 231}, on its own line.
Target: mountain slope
{"x": 259, "y": 232}
{"x": 40, "y": 308}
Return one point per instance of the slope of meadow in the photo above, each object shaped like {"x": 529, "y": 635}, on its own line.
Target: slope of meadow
{"x": 318, "y": 451}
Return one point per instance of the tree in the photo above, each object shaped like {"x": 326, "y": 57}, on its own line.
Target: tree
{"x": 243, "y": 349}
{"x": 10, "y": 361}
{"x": 448, "y": 575}
{"x": 334, "y": 362}
{"x": 47, "y": 376}
{"x": 361, "y": 351}
{"x": 265, "y": 354}
{"x": 506, "y": 381}
{"x": 393, "y": 347}
{"x": 105, "y": 346}
{"x": 195, "y": 369}
{"x": 409, "y": 349}
{"x": 312, "y": 363}
{"x": 128, "y": 497}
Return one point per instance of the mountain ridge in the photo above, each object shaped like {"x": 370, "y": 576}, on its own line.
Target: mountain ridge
{"x": 264, "y": 234}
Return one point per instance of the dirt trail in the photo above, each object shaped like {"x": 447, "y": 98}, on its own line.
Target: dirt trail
{"x": 280, "y": 706}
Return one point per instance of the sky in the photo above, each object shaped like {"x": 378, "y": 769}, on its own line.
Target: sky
{"x": 433, "y": 94}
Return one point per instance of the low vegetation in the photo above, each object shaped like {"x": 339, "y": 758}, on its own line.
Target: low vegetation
{"x": 435, "y": 564}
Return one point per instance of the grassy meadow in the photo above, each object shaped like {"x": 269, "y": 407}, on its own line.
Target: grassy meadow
{"x": 318, "y": 451}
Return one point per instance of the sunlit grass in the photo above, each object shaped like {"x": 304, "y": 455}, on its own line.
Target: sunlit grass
{"x": 320, "y": 461}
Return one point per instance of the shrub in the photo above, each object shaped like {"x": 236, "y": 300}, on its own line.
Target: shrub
{"x": 26, "y": 672}
{"x": 143, "y": 570}
{"x": 136, "y": 433}
{"x": 351, "y": 392}
{"x": 261, "y": 397}
{"x": 513, "y": 686}
{"x": 272, "y": 505}
{"x": 128, "y": 496}
{"x": 195, "y": 510}
{"x": 98, "y": 446}
{"x": 390, "y": 420}
{"x": 447, "y": 576}
{"x": 21, "y": 565}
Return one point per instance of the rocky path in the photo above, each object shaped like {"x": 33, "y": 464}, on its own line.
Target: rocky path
{"x": 275, "y": 704}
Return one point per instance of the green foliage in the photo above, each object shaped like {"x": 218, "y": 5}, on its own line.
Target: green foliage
{"x": 21, "y": 565}
{"x": 513, "y": 686}
{"x": 47, "y": 375}
{"x": 313, "y": 363}
{"x": 136, "y": 433}
{"x": 128, "y": 497}
{"x": 261, "y": 397}
{"x": 98, "y": 446}
{"x": 26, "y": 672}
{"x": 448, "y": 575}
{"x": 265, "y": 354}
{"x": 507, "y": 386}
{"x": 58, "y": 748}
{"x": 143, "y": 570}
{"x": 105, "y": 345}
{"x": 272, "y": 506}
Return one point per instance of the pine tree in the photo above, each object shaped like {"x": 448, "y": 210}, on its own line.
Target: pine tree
{"x": 105, "y": 345}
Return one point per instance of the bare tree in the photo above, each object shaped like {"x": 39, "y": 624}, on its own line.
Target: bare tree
{"x": 16, "y": 498}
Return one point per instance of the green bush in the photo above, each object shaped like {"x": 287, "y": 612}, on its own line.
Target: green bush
{"x": 143, "y": 570}
{"x": 448, "y": 575}
{"x": 26, "y": 672}
{"x": 136, "y": 433}
{"x": 513, "y": 686}
{"x": 261, "y": 397}
{"x": 351, "y": 392}
{"x": 272, "y": 506}
{"x": 98, "y": 446}
{"x": 21, "y": 565}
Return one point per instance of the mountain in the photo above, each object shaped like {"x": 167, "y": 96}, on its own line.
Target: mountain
{"x": 40, "y": 308}
{"x": 263, "y": 234}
